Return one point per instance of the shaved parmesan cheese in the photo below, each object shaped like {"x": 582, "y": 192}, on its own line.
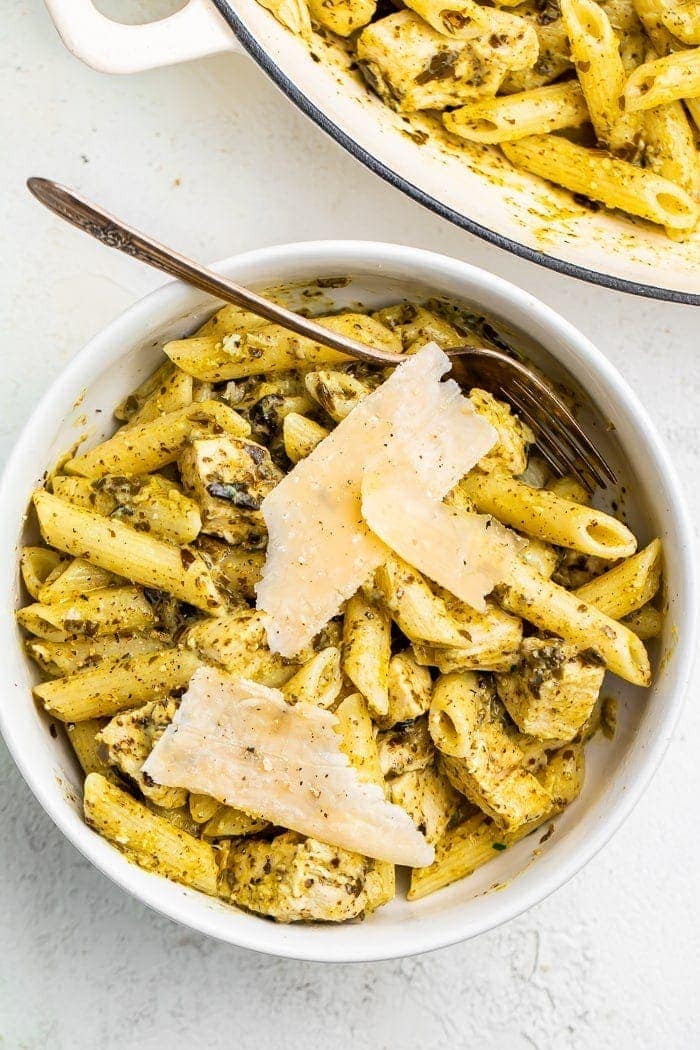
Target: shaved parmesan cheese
{"x": 320, "y": 549}
{"x": 244, "y": 745}
{"x": 467, "y": 554}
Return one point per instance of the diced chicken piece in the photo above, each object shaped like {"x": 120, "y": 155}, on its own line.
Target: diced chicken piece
{"x": 510, "y": 451}
{"x": 553, "y": 689}
{"x": 410, "y": 689}
{"x": 406, "y": 748}
{"x": 336, "y": 392}
{"x": 429, "y": 799}
{"x": 297, "y": 879}
{"x": 229, "y": 478}
{"x": 413, "y": 67}
{"x": 127, "y": 741}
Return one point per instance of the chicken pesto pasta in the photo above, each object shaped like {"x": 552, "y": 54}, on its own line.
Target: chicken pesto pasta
{"x": 278, "y": 692}
{"x": 601, "y": 97}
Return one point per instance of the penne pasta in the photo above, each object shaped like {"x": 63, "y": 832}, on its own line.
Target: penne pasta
{"x": 75, "y": 577}
{"x": 595, "y": 49}
{"x": 664, "y": 80}
{"x": 616, "y": 183}
{"x": 271, "y": 348}
{"x": 150, "y": 446}
{"x": 117, "y": 684}
{"x": 149, "y": 503}
{"x": 546, "y": 516}
{"x": 175, "y": 391}
{"x": 319, "y": 681}
{"x": 36, "y": 565}
{"x": 367, "y": 651}
{"x": 627, "y": 587}
{"x": 552, "y": 608}
{"x": 77, "y": 654}
{"x": 301, "y": 436}
{"x": 343, "y": 17}
{"x": 153, "y": 841}
{"x": 120, "y": 549}
{"x": 96, "y": 613}
{"x": 511, "y": 117}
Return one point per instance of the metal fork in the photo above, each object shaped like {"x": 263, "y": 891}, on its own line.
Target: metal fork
{"x": 559, "y": 438}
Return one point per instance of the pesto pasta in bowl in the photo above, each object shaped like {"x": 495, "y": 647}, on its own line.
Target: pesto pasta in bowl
{"x": 565, "y": 132}
{"x": 299, "y": 653}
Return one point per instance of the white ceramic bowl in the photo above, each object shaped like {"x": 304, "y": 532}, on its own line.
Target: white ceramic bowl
{"x": 115, "y": 361}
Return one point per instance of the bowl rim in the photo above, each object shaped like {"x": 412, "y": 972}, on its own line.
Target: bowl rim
{"x": 269, "y": 937}
{"x": 294, "y": 93}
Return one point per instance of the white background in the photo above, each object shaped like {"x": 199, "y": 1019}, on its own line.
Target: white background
{"x": 213, "y": 159}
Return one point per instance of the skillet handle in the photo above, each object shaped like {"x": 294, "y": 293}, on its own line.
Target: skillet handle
{"x": 111, "y": 47}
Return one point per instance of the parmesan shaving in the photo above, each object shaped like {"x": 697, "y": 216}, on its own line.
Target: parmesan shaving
{"x": 320, "y": 549}
{"x": 245, "y": 746}
{"x": 467, "y": 554}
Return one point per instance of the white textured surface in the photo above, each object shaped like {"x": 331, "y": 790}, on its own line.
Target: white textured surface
{"x": 213, "y": 158}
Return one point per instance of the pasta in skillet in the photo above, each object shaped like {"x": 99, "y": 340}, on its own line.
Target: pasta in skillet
{"x": 601, "y": 97}
{"x": 473, "y": 723}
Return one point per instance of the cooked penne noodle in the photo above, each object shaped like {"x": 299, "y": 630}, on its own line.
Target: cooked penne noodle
{"x": 670, "y": 148}
{"x": 628, "y": 586}
{"x": 150, "y": 446}
{"x": 336, "y": 392}
{"x": 77, "y": 654}
{"x": 82, "y": 737}
{"x": 360, "y": 745}
{"x": 512, "y": 117}
{"x": 229, "y": 823}
{"x": 120, "y": 549}
{"x": 420, "y": 614}
{"x": 294, "y": 14}
{"x": 552, "y": 608}
{"x": 367, "y": 651}
{"x": 546, "y": 516}
{"x": 115, "y": 685}
{"x": 358, "y": 736}
{"x": 682, "y": 19}
{"x": 150, "y": 839}
{"x": 174, "y": 392}
{"x": 96, "y": 613}
{"x": 595, "y": 49}
{"x": 569, "y": 488}
{"x": 646, "y": 622}
{"x": 301, "y": 436}
{"x": 36, "y": 565}
{"x": 272, "y": 349}
{"x": 319, "y": 681}
{"x": 664, "y": 80}
{"x": 134, "y": 401}
{"x": 202, "y": 807}
{"x": 75, "y": 577}
{"x": 616, "y": 183}
{"x": 451, "y": 718}
{"x": 149, "y": 503}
